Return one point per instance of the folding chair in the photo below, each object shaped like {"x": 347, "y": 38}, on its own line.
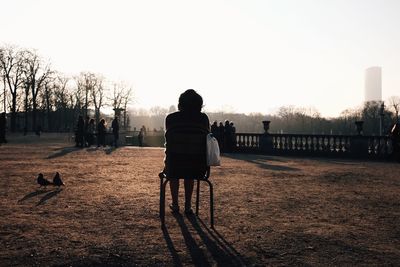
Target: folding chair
{"x": 186, "y": 159}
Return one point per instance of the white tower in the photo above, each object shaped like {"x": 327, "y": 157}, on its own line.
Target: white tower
{"x": 373, "y": 84}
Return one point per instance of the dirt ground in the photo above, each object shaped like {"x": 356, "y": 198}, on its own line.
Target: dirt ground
{"x": 274, "y": 211}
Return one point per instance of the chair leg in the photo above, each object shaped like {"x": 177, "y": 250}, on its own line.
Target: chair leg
{"x": 211, "y": 203}
{"x": 162, "y": 200}
{"x": 161, "y": 197}
{"x": 197, "y": 197}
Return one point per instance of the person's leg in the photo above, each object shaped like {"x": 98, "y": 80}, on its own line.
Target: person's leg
{"x": 174, "y": 186}
{"x": 189, "y": 183}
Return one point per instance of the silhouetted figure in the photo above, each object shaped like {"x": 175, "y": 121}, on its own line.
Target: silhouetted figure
{"x": 221, "y": 140}
{"x": 101, "y": 133}
{"x": 189, "y": 115}
{"x": 141, "y": 135}
{"x": 57, "y": 180}
{"x": 214, "y": 129}
{"x": 91, "y": 130}
{"x": 3, "y": 127}
{"x": 115, "y": 129}
{"x": 80, "y": 132}
{"x": 228, "y": 137}
{"x": 42, "y": 181}
{"x": 395, "y": 136}
{"x": 233, "y": 136}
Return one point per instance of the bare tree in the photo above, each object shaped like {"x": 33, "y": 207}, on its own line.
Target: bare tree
{"x": 86, "y": 82}
{"x": 97, "y": 91}
{"x": 36, "y": 72}
{"x": 126, "y": 99}
{"x": 394, "y": 105}
{"x": 48, "y": 99}
{"x": 12, "y": 68}
{"x": 63, "y": 101}
{"x": 117, "y": 95}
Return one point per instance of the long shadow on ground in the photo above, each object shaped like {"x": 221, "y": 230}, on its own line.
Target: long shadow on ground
{"x": 222, "y": 253}
{"x": 63, "y": 152}
{"x": 262, "y": 161}
{"x": 33, "y": 194}
{"x": 48, "y": 196}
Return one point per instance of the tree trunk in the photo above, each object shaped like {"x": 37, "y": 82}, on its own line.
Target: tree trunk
{"x": 34, "y": 115}
{"x": 14, "y": 113}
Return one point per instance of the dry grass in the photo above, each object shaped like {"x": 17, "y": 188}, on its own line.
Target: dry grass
{"x": 269, "y": 211}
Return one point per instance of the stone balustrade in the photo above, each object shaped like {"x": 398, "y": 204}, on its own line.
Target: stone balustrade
{"x": 353, "y": 146}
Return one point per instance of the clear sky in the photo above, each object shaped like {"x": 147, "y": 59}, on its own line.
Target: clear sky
{"x": 243, "y": 56}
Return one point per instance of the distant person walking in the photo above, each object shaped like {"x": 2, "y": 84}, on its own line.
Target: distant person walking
{"x": 3, "y": 126}
{"x": 115, "y": 129}
{"x": 80, "y": 131}
{"x": 101, "y": 133}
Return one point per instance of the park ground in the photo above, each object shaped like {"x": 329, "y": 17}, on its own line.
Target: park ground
{"x": 269, "y": 211}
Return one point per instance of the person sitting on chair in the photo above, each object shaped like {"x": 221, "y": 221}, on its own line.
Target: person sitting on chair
{"x": 188, "y": 116}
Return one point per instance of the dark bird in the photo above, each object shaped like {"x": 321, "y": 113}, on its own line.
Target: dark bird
{"x": 42, "y": 181}
{"x": 57, "y": 180}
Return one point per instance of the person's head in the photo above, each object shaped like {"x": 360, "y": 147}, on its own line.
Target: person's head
{"x": 226, "y": 122}
{"x": 190, "y": 101}
{"x": 91, "y": 121}
{"x": 215, "y": 123}
{"x": 221, "y": 124}
{"x": 231, "y": 124}
{"x": 103, "y": 121}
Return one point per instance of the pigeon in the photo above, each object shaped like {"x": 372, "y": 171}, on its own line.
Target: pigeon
{"x": 57, "y": 180}
{"x": 42, "y": 181}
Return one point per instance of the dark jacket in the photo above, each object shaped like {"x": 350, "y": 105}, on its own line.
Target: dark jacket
{"x": 180, "y": 164}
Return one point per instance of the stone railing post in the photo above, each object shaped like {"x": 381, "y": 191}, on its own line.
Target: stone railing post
{"x": 266, "y": 139}
{"x": 359, "y": 144}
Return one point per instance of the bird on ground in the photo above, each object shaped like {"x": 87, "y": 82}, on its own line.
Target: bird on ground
{"x": 42, "y": 181}
{"x": 57, "y": 180}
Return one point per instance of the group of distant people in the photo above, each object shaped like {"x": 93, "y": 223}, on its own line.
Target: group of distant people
{"x": 86, "y": 133}
{"x": 225, "y": 134}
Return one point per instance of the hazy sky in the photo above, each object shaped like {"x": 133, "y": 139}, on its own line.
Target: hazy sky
{"x": 245, "y": 56}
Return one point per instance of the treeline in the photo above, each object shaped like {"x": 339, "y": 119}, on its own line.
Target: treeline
{"x": 291, "y": 119}
{"x": 38, "y": 96}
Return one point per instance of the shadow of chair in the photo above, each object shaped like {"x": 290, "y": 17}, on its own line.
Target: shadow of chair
{"x": 186, "y": 159}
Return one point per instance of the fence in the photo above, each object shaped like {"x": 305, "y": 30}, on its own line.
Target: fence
{"x": 353, "y": 146}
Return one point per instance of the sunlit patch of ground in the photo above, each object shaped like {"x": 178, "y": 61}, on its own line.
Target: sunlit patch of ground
{"x": 269, "y": 210}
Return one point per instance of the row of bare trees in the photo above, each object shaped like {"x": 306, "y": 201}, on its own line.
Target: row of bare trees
{"x": 45, "y": 97}
{"x": 292, "y": 119}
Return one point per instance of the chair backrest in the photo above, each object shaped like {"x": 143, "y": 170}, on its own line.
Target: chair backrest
{"x": 186, "y": 152}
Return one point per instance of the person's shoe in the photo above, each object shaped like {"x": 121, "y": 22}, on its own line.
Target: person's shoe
{"x": 174, "y": 208}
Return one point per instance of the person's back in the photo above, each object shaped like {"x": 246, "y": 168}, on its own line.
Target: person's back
{"x": 190, "y": 126}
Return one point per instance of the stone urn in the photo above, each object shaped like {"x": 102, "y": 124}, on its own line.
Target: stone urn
{"x": 359, "y": 127}
{"x": 266, "y": 126}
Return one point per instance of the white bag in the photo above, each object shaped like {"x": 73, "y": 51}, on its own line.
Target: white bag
{"x": 213, "y": 157}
